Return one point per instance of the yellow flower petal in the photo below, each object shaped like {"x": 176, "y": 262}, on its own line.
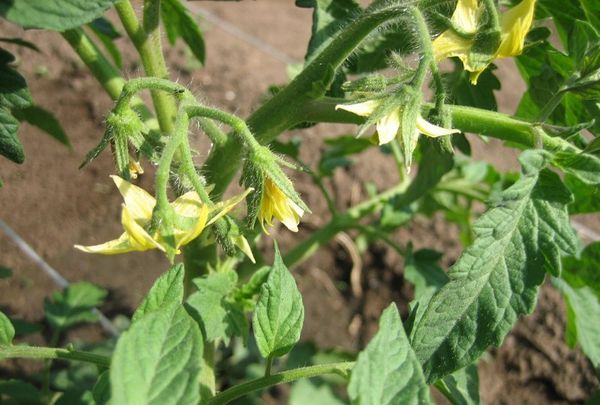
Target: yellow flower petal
{"x": 363, "y": 109}
{"x": 228, "y": 205}
{"x": 276, "y": 204}
{"x": 139, "y": 203}
{"x": 427, "y": 128}
{"x": 112, "y": 247}
{"x": 139, "y": 238}
{"x": 195, "y": 231}
{"x": 466, "y": 15}
{"x": 188, "y": 205}
{"x": 515, "y": 25}
{"x": 388, "y": 126}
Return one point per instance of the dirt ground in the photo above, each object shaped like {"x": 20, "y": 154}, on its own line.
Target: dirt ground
{"x": 53, "y": 205}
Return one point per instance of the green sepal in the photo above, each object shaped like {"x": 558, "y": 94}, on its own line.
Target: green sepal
{"x": 224, "y": 229}
{"x": 375, "y": 83}
{"x": 483, "y": 51}
{"x": 266, "y": 164}
{"x": 253, "y": 177}
{"x": 409, "y": 136}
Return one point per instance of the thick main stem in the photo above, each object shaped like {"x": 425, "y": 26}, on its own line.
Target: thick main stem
{"x": 283, "y": 110}
{"x": 146, "y": 40}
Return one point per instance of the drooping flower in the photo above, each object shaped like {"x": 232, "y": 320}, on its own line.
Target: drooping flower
{"x": 389, "y": 126}
{"x": 192, "y": 216}
{"x": 275, "y": 203}
{"x": 514, "y": 26}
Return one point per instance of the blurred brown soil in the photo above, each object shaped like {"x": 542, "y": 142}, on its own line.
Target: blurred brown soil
{"x": 53, "y": 205}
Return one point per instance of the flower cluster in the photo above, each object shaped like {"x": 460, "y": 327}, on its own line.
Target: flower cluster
{"x": 514, "y": 25}
{"x": 192, "y": 216}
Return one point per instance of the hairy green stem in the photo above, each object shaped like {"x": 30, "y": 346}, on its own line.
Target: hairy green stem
{"x": 148, "y": 46}
{"x": 237, "y": 124}
{"x": 283, "y": 110}
{"x": 166, "y": 159}
{"x": 279, "y": 378}
{"x": 467, "y": 119}
{"x": 34, "y": 352}
{"x": 108, "y": 76}
{"x": 428, "y": 58}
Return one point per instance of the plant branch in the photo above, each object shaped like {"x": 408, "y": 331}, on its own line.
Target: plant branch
{"x": 279, "y": 378}
{"x": 467, "y": 119}
{"x": 35, "y": 352}
{"x": 283, "y": 110}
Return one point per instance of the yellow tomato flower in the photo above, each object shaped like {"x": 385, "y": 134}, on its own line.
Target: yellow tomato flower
{"x": 191, "y": 217}
{"x": 514, "y": 25}
{"x": 276, "y": 204}
{"x": 390, "y": 124}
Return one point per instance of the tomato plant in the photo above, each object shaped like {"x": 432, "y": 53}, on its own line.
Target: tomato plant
{"x": 368, "y": 66}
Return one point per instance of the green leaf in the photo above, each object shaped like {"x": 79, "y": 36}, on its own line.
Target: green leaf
{"x": 495, "y": 280}
{"x": 279, "y": 313}
{"x": 308, "y": 392}
{"x": 158, "y": 360}
{"x": 10, "y": 145}
{"x": 20, "y": 391}
{"x": 101, "y": 391}
{"x": 5, "y": 272}
{"x": 74, "y": 305}
{"x": 585, "y": 270}
{"x": 166, "y": 291}
{"x": 7, "y": 331}
{"x": 591, "y": 9}
{"x": 584, "y": 166}
{"x": 462, "y": 92}
{"x": 583, "y": 307}
{"x": 387, "y": 371}
{"x": 422, "y": 270}
{"x": 329, "y": 16}
{"x": 253, "y": 286}
{"x": 179, "y": 23}
{"x": 23, "y": 328}
{"x": 44, "y": 120}
{"x": 106, "y": 33}
{"x": 213, "y": 306}
{"x": 21, "y": 42}
{"x": 54, "y": 15}
{"x": 14, "y": 93}
{"x": 290, "y": 148}
{"x": 462, "y": 386}
{"x": 587, "y": 197}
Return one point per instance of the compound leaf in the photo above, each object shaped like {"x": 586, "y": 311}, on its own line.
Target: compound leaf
{"x": 496, "y": 279}
{"x": 74, "y": 305}
{"x": 387, "y": 371}
{"x": 215, "y": 309}
{"x": 166, "y": 291}
{"x": 279, "y": 313}
{"x": 158, "y": 360}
